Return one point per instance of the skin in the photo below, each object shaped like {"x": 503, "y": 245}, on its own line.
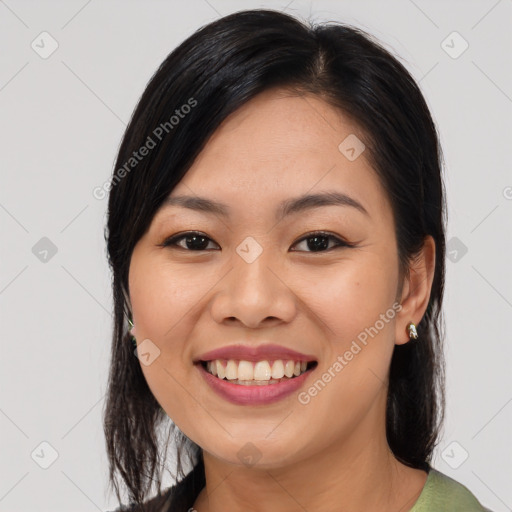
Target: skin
{"x": 330, "y": 454}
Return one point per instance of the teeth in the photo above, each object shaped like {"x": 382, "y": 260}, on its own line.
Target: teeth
{"x": 255, "y": 382}
{"x": 288, "y": 369}
{"x": 245, "y": 371}
{"x": 231, "y": 370}
{"x": 278, "y": 369}
{"x": 260, "y": 372}
{"x": 221, "y": 372}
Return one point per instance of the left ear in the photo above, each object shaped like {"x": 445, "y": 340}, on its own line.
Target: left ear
{"x": 416, "y": 290}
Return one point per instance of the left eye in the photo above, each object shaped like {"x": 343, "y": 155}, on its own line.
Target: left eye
{"x": 195, "y": 241}
{"x": 320, "y": 241}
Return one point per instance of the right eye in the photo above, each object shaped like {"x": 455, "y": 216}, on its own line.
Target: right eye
{"x": 193, "y": 240}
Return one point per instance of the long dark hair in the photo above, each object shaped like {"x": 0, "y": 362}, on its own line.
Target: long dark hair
{"x": 205, "y": 79}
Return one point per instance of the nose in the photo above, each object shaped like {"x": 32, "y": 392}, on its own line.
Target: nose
{"x": 254, "y": 293}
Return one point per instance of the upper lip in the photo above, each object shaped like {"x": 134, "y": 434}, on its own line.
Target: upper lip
{"x": 252, "y": 353}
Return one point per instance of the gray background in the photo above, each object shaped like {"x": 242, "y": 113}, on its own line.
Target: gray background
{"x": 61, "y": 121}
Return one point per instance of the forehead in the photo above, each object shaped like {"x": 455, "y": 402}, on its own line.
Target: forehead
{"x": 281, "y": 145}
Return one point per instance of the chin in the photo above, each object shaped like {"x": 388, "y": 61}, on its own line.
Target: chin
{"x": 256, "y": 453}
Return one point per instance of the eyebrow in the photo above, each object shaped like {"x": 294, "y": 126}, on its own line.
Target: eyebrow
{"x": 285, "y": 208}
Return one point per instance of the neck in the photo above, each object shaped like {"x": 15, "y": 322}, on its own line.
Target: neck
{"x": 359, "y": 473}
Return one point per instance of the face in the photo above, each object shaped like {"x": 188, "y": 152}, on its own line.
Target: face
{"x": 258, "y": 275}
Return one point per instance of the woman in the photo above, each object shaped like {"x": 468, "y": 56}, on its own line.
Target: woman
{"x": 276, "y": 232}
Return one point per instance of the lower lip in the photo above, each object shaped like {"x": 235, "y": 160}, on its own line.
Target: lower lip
{"x": 253, "y": 395}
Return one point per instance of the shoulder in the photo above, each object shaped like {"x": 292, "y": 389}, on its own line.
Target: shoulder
{"x": 176, "y": 498}
{"x": 442, "y": 493}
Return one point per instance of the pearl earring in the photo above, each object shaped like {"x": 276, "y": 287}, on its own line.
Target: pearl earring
{"x": 411, "y": 330}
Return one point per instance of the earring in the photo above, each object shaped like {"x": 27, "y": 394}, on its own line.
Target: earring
{"x": 133, "y": 340}
{"x": 411, "y": 330}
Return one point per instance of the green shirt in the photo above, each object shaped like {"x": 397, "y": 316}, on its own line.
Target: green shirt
{"x": 440, "y": 494}
{"x": 444, "y": 494}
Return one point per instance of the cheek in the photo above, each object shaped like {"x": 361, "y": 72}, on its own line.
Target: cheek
{"x": 166, "y": 302}
{"x": 355, "y": 304}
{"x": 163, "y": 297}
{"x": 351, "y": 297}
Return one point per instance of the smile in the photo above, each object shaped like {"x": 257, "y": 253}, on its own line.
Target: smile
{"x": 256, "y": 373}
{"x": 255, "y": 382}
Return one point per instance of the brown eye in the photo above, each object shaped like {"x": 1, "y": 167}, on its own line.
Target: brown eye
{"x": 319, "y": 242}
{"x": 192, "y": 241}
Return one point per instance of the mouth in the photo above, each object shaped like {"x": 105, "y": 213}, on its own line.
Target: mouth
{"x": 257, "y": 373}
{"x": 255, "y": 383}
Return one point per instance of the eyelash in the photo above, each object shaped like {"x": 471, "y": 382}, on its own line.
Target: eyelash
{"x": 172, "y": 241}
